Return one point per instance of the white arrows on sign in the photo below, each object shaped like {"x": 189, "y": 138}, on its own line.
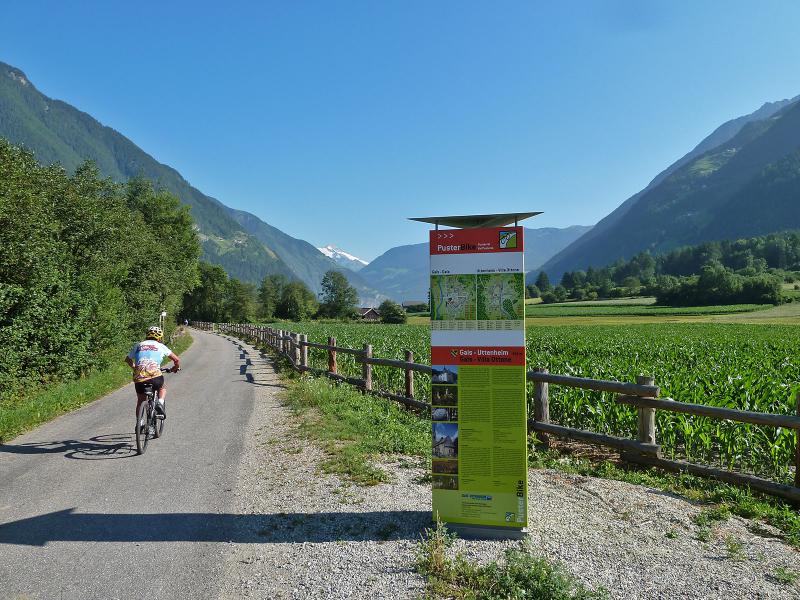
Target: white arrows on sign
{"x": 445, "y": 235}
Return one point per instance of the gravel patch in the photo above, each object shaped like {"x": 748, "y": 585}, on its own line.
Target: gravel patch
{"x": 326, "y": 538}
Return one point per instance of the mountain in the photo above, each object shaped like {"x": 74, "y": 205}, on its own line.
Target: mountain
{"x": 304, "y": 260}
{"x": 243, "y": 244}
{"x": 343, "y": 259}
{"x": 402, "y": 272}
{"x": 738, "y": 181}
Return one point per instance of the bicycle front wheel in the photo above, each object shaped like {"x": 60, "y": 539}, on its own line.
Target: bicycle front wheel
{"x": 142, "y": 432}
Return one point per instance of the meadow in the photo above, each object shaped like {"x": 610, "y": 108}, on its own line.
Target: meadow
{"x": 745, "y": 366}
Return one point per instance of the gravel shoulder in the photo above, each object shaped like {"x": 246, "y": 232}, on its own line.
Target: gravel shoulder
{"x": 320, "y": 536}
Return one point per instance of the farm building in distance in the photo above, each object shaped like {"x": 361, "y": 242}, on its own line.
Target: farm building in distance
{"x": 369, "y": 314}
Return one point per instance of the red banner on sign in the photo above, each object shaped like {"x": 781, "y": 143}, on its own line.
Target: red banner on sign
{"x": 475, "y": 241}
{"x": 478, "y": 355}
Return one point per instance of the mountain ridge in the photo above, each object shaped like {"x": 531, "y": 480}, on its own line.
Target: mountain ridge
{"x": 403, "y": 273}
{"x": 57, "y": 132}
{"x": 601, "y": 246}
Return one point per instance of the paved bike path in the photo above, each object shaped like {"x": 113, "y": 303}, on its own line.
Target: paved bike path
{"x": 81, "y": 516}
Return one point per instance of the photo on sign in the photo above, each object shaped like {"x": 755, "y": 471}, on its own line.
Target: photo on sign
{"x": 445, "y": 440}
{"x": 501, "y": 296}
{"x": 444, "y": 414}
{"x": 444, "y": 395}
{"x": 508, "y": 240}
{"x": 444, "y": 374}
{"x": 446, "y": 467}
{"x": 452, "y": 297}
{"x": 445, "y": 482}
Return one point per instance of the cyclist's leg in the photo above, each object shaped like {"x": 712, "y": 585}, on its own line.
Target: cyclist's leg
{"x": 162, "y": 394}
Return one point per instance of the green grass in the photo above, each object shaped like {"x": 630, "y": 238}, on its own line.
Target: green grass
{"x": 597, "y": 309}
{"x": 23, "y": 414}
{"x": 354, "y": 428}
{"x": 785, "y": 576}
{"x": 626, "y": 301}
{"x": 521, "y": 575}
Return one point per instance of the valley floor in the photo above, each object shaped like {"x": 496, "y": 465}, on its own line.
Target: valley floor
{"x": 321, "y": 536}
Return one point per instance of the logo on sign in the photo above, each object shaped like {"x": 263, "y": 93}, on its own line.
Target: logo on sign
{"x": 508, "y": 239}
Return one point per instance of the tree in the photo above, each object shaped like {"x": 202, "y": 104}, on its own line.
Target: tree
{"x": 240, "y": 301}
{"x": 543, "y": 282}
{"x": 269, "y": 295}
{"x": 297, "y": 302}
{"x": 392, "y": 312}
{"x": 206, "y": 302}
{"x": 339, "y": 298}
{"x": 533, "y": 291}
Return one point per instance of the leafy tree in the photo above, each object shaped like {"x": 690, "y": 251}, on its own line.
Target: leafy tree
{"x": 207, "y": 302}
{"x": 339, "y": 298}
{"x": 240, "y": 301}
{"x": 269, "y": 295}
{"x": 543, "y": 282}
{"x": 297, "y": 302}
{"x": 392, "y": 312}
{"x": 533, "y": 291}
{"x": 86, "y": 265}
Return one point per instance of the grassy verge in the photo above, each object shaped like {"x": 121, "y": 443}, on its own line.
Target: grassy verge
{"x": 43, "y": 405}
{"x": 353, "y": 428}
{"x": 721, "y": 500}
{"x": 522, "y": 574}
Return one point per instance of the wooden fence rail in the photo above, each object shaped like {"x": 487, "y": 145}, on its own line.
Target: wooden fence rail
{"x": 642, "y": 395}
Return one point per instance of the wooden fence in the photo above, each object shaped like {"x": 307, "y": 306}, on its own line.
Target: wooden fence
{"x": 642, "y": 395}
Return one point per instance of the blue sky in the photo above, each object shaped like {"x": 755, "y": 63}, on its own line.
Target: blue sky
{"x": 336, "y": 120}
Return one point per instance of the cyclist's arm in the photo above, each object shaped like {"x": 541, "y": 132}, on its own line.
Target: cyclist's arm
{"x": 130, "y": 362}
{"x": 175, "y": 361}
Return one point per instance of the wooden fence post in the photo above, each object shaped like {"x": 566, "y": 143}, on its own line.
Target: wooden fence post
{"x": 409, "y": 375}
{"x": 332, "y": 367}
{"x": 296, "y": 350}
{"x": 797, "y": 448}
{"x": 647, "y": 416}
{"x": 366, "y": 368}
{"x": 303, "y": 352}
{"x": 541, "y": 406}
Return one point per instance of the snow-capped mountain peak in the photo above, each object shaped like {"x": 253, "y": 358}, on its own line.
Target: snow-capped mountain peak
{"x": 342, "y": 258}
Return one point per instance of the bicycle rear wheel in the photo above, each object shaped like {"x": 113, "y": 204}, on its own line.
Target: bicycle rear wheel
{"x": 142, "y": 433}
{"x": 159, "y": 422}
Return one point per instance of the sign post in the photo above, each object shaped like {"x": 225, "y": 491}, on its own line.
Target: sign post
{"x": 478, "y": 397}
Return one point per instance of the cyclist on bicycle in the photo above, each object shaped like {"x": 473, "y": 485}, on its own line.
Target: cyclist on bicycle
{"x": 145, "y": 359}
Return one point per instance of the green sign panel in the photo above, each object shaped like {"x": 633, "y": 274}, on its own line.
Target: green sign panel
{"x": 479, "y": 417}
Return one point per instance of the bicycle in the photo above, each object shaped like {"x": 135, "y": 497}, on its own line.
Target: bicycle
{"x": 146, "y": 413}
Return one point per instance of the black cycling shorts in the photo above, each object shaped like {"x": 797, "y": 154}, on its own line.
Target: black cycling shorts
{"x": 156, "y": 382}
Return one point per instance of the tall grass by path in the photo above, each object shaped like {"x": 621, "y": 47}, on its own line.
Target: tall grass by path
{"x": 39, "y": 406}
{"x": 354, "y": 428}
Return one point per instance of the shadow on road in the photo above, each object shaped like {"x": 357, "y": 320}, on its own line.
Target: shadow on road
{"x": 69, "y": 526}
{"x": 100, "y": 447}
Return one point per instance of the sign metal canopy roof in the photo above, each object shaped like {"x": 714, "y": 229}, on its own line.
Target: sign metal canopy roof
{"x": 473, "y": 221}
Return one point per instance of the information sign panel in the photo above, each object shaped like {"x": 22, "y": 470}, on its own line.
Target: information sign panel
{"x": 479, "y": 414}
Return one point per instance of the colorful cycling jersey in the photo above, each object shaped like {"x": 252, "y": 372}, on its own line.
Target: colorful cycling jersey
{"x": 147, "y": 357}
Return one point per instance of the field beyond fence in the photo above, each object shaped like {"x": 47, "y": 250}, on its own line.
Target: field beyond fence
{"x": 712, "y": 400}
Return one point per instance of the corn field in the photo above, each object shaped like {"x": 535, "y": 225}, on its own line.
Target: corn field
{"x": 749, "y": 367}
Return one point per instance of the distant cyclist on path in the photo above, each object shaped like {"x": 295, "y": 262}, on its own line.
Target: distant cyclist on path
{"x": 145, "y": 359}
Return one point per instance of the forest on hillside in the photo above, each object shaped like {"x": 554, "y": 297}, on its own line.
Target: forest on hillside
{"x": 87, "y": 265}
{"x": 724, "y": 272}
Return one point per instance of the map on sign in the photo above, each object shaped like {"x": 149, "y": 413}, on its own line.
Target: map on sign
{"x": 452, "y": 297}
{"x": 501, "y": 296}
